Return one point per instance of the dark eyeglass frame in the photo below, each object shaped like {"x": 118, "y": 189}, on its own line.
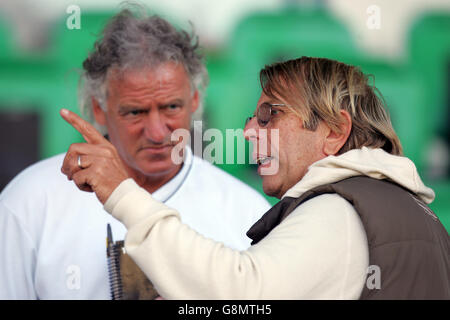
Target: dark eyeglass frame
{"x": 264, "y": 113}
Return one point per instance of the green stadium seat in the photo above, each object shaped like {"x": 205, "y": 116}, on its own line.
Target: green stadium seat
{"x": 441, "y": 205}
{"x": 429, "y": 50}
{"x": 404, "y": 94}
{"x": 263, "y": 38}
{"x": 27, "y": 83}
{"x": 268, "y": 37}
{"x": 6, "y": 41}
{"x": 37, "y": 85}
{"x": 429, "y": 54}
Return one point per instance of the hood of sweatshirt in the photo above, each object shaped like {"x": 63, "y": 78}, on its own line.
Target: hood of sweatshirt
{"x": 374, "y": 163}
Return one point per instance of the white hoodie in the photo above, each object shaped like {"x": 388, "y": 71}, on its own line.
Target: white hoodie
{"x": 319, "y": 251}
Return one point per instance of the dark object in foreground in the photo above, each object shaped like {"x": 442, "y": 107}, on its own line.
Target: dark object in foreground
{"x": 127, "y": 281}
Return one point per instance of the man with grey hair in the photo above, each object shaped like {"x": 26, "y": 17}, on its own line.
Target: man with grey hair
{"x": 143, "y": 80}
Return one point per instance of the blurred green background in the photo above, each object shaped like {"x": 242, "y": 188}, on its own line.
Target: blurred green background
{"x": 408, "y": 55}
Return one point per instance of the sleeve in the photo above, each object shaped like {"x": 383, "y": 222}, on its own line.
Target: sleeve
{"x": 17, "y": 258}
{"x": 309, "y": 255}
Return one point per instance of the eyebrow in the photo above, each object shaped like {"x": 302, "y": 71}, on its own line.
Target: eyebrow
{"x": 126, "y": 108}
{"x": 175, "y": 101}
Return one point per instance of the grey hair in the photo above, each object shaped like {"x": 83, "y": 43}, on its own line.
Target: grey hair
{"x": 131, "y": 41}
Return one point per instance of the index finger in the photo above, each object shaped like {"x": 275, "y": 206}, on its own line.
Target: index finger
{"x": 89, "y": 133}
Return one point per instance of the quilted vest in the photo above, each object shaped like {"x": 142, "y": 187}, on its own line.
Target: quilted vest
{"x": 408, "y": 245}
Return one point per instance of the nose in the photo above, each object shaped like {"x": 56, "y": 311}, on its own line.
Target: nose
{"x": 250, "y": 130}
{"x": 155, "y": 127}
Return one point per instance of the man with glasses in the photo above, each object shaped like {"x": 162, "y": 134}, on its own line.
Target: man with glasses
{"x": 353, "y": 220}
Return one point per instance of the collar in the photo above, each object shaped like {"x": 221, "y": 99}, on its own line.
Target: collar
{"x": 371, "y": 162}
{"x": 168, "y": 190}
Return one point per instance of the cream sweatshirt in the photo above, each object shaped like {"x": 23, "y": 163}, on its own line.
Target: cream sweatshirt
{"x": 319, "y": 251}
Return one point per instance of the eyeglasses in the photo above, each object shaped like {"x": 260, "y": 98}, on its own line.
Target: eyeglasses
{"x": 264, "y": 113}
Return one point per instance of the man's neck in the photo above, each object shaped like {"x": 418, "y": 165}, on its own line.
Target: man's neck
{"x": 151, "y": 183}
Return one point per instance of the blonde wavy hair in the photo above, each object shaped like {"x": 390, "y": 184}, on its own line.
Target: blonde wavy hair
{"x": 317, "y": 89}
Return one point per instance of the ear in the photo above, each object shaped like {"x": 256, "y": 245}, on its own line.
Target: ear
{"x": 99, "y": 114}
{"x": 335, "y": 140}
{"x": 195, "y": 101}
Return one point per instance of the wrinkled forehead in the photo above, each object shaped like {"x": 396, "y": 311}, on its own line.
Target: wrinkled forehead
{"x": 164, "y": 71}
{"x": 168, "y": 74}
